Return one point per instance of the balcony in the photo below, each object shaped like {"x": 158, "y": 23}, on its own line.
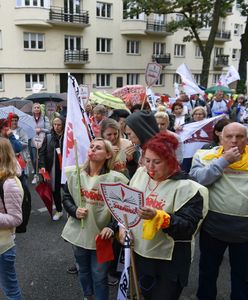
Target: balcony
{"x": 58, "y": 16}
{"x": 76, "y": 57}
{"x": 221, "y": 61}
{"x": 157, "y": 28}
{"x": 162, "y": 59}
{"x": 223, "y": 36}
{"x": 31, "y": 17}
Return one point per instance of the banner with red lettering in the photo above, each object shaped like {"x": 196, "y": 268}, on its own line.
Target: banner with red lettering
{"x": 75, "y": 129}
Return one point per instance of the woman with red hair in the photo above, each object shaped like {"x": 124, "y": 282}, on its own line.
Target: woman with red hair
{"x": 174, "y": 207}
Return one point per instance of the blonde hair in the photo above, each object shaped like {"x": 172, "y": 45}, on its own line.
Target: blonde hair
{"x": 111, "y": 123}
{"x": 202, "y": 109}
{"x": 163, "y": 115}
{"x": 109, "y": 163}
{"x": 8, "y": 162}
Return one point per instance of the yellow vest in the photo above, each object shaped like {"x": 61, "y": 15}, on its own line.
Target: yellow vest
{"x": 98, "y": 214}
{"x": 170, "y": 196}
{"x": 229, "y": 194}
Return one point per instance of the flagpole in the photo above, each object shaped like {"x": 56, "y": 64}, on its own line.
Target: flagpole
{"x": 78, "y": 178}
{"x": 133, "y": 267}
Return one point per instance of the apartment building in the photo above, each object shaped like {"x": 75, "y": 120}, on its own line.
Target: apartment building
{"x": 42, "y": 40}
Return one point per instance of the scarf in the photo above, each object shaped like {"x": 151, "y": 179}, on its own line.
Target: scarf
{"x": 242, "y": 164}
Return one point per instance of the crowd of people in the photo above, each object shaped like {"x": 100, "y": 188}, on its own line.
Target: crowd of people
{"x": 206, "y": 193}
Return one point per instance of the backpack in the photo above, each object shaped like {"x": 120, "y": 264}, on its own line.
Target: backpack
{"x": 26, "y": 206}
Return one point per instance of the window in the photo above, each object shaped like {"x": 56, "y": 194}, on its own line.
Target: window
{"x": 177, "y": 78}
{"x": 72, "y": 42}
{"x": 238, "y": 29}
{"x": 103, "y": 80}
{"x": 132, "y": 79}
{"x": 1, "y": 82}
{"x": 160, "y": 81}
{"x": 198, "y": 52}
{"x": 33, "y": 3}
{"x": 103, "y": 45}
{"x": 197, "y": 78}
{"x": 133, "y": 47}
{"x": 179, "y": 17}
{"x": 119, "y": 82}
{"x": 159, "y": 19}
{"x": 179, "y": 50}
{"x": 218, "y": 51}
{"x": 1, "y": 41}
{"x": 31, "y": 79}
{"x": 103, "y": 10}
{"x": 216, "y": 78}
{"x": 126, "y": 11}
{"x": 235, "y": 54}
{"x": 158, "y": 48}
{"x": 33, "y": 41}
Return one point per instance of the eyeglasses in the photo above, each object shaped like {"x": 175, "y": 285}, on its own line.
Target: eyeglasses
{"x": 14, "y": 120}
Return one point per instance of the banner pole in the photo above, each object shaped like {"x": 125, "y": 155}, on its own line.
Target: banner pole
{"x": 78, "y": 178}
{"x": 133, "y": 267}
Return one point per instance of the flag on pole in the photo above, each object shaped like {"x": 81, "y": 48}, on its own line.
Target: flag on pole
{"x": 232, "y": 75}
{"x": 188, "y": 82}
{"x": 75, "y": 129}
{"x": 124, "y": 281}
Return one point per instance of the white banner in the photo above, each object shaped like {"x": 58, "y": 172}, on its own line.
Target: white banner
{"x": 75, "y": 129}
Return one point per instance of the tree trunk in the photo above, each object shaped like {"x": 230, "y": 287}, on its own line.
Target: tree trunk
{"x": 241, "y": 86}
{"x": 206, "y": 55}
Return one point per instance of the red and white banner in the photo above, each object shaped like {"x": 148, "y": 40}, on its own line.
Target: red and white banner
{"x": 75, "y": 129}
{"x": 196, "y": 134}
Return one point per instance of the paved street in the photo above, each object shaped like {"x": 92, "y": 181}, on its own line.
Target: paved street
{"x": 42, "y": 259}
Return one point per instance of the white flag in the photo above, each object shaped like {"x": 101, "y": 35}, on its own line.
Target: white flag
{"x": 188, "y": 82}
{"x": 176, "y": 89}
{"x": 232, "y": 75}
{"x": 75, "y": 129}
{"x": 222, "y": 80}
{"x": 124, "y": 281}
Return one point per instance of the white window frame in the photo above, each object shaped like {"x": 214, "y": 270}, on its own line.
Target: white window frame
{"x": 103, "y": 45}
{"x": 198, "y": 52}
{"x": 159, "y": 19}
{"x": 1, "y": 82}
{"x": 235, "y": 54}
{"x": 103, "y": 80}
{"x": 104, "y": 10}
{"x": 73, "y": 43}
{"x": 33, "y": 3}
{"x": 238, "y": 29}
{"x": 179, "y": 17}
{"x": 197, "y": 78}
{"x": 133, "y": 78}
{"x": 218, "y": 51}
{"x": 31, "y": 37}
{"x": 1, "y": 40}
{"x": 160, "y": 81}
{"x": 159, "y": 48}
{"x": 179, "y": 50}
{"x": 215, "y": 79}
{"x": 33, "y": 79}
{"x": 177, "y": 78}
{"x": 133, "y": 47}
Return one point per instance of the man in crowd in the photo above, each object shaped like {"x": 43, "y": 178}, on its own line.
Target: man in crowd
{"x": 224, "y": 170}
{"x": 218, "y": 105}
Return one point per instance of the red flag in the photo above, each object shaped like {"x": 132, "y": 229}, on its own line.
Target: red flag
{"x": 45, "y": 192}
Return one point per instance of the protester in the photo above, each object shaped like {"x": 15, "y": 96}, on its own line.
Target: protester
{"x": 50, "y": 160}
{"x": 6, "y": 132}
{"x": 110, "y": 131}
{"x": 218, "y": 105}
{"x": 238, "y": 109}
{"x": 174, "y": 208}
{"x": 42, "y": 127}
{"x": 120, "y": 116}
{"x": 88, "y": 206}
{"x": 223, "y": 170}
{"x": 99, "y": 114}
{"x": 10, "y": 217}
{"x": 198, "y": 114}
{"x": 163, "y": 121}
{"x": 177, "y": 117}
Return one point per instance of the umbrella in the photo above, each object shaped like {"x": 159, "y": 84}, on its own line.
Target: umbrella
{"x": 129, "y": 89}
{"x": 44, "y": 190}
{"x": 44, "y": 97}
{"x": 26, "y": 122}
{"x": 107, "y": 100}
{"x": 23, "y": 105}
{"x": 216, "y": 88}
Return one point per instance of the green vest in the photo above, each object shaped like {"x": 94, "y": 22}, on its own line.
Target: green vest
{"x": 98, "y": 215}
{"x": 170, "y": 196}
{"x": 229, "y": 194}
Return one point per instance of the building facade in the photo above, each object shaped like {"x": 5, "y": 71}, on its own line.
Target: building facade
{"x": 41, "y": 41}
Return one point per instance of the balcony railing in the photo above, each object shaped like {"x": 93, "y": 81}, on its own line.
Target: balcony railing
{"x": 76, "y": 56}
{"x": 155, "y": 27}
{"x": 221, "y": 61}
{"x": 58, "y": 14}
{"x": 162, "y": 59}
{"x": 224, "y": 35}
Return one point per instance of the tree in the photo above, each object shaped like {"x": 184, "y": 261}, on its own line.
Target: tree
{"x": 197, "y": 14}
{"x": 241, "y": 86}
